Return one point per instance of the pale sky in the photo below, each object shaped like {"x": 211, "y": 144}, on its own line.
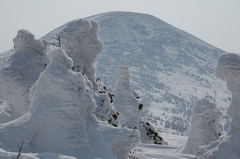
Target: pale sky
{"x": 214, "y": 21}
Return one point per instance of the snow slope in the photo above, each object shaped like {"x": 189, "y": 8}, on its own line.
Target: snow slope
{"x": 142, "y": 151}
{"x": 146, "y": 151}
{"x": 170, "y": 69}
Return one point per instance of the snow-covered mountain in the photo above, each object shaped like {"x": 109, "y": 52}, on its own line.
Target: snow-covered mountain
{"x": 170, "y": 68}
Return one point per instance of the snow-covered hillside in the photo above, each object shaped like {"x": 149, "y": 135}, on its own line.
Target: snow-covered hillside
{"x": 55, "y": 102}
{"x": 170, "y": 68}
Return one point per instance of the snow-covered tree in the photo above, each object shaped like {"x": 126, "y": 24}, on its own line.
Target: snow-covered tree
{"x": 104, "y": 99}
{"x": 80, "y": 40}
{"x": 131, "y": 112}
{"x": 61, "y": 118}
{"x": 22, "y": 69}
{"x": 124, "y": 101}
{"x": 228, "y": 69}
{"x": 203, "y": 130}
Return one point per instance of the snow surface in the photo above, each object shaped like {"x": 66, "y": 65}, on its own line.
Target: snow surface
{"x": 142, "y": 151}
{"x": 149, "y": 151}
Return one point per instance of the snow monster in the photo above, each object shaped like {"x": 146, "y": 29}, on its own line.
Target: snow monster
{"x": 228, "y": 69}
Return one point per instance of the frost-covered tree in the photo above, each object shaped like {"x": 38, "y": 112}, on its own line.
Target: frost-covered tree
{"x": 80, "y": 40}
{"x": 61, "y": 118}
{"x": 228, "y": 69}
{"x": 131, "y": 112}
{"x": 22, "y": 69}
{"x": 124, "y": 101}
{"x": 104, "y": 99}
{"x": 203, "y": 130}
